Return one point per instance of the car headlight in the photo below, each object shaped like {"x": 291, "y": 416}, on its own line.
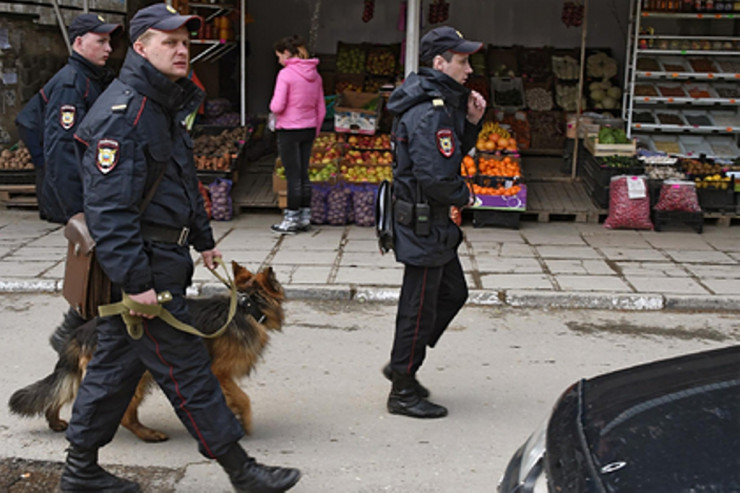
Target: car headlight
{"x": 526, "y": 472}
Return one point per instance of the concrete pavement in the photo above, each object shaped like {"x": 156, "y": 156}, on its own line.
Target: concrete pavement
{"x": 558, "y": 264}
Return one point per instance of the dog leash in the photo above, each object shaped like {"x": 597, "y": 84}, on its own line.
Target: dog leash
{"x": 135, "y": 326}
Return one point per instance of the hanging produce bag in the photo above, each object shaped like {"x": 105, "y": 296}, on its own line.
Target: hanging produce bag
{"x": 339, "y": 205}
{"x": 319, "y": 193}
{"x": 629, "y": 203}
{"x": 221, "y": 208}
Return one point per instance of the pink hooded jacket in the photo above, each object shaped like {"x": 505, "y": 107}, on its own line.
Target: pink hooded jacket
{"x": 298, "y": 99}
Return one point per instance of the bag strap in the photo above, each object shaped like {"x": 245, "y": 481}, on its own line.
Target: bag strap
{"x": 134, "y": 324}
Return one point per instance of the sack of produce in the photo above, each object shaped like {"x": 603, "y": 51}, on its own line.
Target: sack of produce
{"x": 629, "y": 203}
{"x": 319, "y": 192}
{"x": 339, "y": 205}
{"x": 221, "y": 209}
{"x": 363, "y": 203}
{"x": 678, "y": 196}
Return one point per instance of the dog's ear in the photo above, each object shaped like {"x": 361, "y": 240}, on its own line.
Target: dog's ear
{"x": 267, "y": 279}
{"x": 242, "y": 276}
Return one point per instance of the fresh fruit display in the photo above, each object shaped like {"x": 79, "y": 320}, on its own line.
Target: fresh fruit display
{"x": 17, "y": 158}
{"x": 368, "y": 174}
{"x": 696, "y": 167}
{"x": 538, "y": 98}
{"x": 519, "y": 126}
{"x": 716, "y": 181}
{"x": 381, "y": 61}
{"x": 323, "y": 173}
{"x": 380, "y": 141}
{"x": 493, "y": 138}
{"x": 467, "y": 167}
{"x": 325, "y": 150}
{"x": 345, "y": 85}
{"x": 213, "y": 163}
{"x": 368, "y": 10}
{"x": 509, "y": 97}
{"x": 619, "y": 162}
{"x": 350, "y": 59}
{"x": 497, "y": 190}
{"x": 356, "y": 156}
{"x": 495, "y": 166}
{"x": 572, "y": 14}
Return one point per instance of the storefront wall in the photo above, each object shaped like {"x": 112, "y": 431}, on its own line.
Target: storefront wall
{"x": 530, "y": 23}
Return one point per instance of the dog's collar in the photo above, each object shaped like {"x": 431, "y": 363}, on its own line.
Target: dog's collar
{"x": 246, "y": 302}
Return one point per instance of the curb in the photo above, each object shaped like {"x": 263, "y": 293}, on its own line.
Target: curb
{"x": 515, "y": 298}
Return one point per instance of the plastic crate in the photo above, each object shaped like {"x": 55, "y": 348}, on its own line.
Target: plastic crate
{"x": 18, "y": 177}
{"x": 717, "y": 200}
{"x": 489, "y": 218}
{"x": 602, "y": 175}
{"x": 669, "y": 219}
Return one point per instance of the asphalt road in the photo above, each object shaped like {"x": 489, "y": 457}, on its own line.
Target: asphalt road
{"x": 319, "y": 397}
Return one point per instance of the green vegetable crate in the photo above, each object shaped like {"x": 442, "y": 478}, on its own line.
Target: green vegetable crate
{"x": 597, "y": 148}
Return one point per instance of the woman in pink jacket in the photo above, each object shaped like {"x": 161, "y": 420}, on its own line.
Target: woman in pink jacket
{"x": 299, "y": 109}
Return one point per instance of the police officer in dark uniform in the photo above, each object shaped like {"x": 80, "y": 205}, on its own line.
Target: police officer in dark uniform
{"x": 133, "y": 134}
{"x": 50, "y": 118}
{"x": 437, "y": 122}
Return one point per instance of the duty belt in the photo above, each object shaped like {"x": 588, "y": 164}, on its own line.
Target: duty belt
{"x": 165, "y": 234}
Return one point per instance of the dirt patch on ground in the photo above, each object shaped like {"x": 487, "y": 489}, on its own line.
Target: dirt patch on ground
{"x": 630, "y": 329}
{"x": 27, "y": 476}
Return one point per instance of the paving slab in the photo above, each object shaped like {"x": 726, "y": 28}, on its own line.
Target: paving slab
{"x": 504, "y": 265}
{"x": 700, "y": 256}
{"x": 581, "y": 267}
{"x": 651, "y": 269}
{"x": 566, "y": 251}
{"x": 592, "y": 283}
{"x": 674, "y": 285}
{"x": 516, "y": 281}
{"x": 634, "y": 254}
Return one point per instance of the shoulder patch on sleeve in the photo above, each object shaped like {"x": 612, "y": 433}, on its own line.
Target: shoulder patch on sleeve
{"x": 107, "y": 155}
{"x": 67, "y": 116}
{"x": 445, "y": 142}
{"x": 437, "y": 102}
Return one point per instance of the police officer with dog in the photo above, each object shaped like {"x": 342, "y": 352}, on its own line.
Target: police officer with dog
{"x": 48, "y": 122}
{"x": 134, "y": 141}
{"x": 437, "y": 121}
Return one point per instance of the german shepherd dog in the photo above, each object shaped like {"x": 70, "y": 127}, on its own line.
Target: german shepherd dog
{"x": 233, "y": 354}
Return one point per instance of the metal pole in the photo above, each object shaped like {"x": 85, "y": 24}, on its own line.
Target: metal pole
{"x": 85, "y": 6}
{"x": 62, "y": 27}
{"x": 412, "y": 36}
{"x": 243, "y": 63}
{"x": 579, "y": 106}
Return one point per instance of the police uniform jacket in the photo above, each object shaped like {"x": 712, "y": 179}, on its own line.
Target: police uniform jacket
{"x": 134, "y": 129}
{"x": 67, "y": 97}
{"x": 431, "y": 135}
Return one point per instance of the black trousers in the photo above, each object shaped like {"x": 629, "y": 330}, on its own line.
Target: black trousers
{"x": 430, "y": 299}
{"x": 179, "y": 363}
{"x": 294, "y": 146}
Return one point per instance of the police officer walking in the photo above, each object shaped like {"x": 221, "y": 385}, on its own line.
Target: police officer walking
{"x": 133, "y": 135}
{"x": 51, "y": 117}
{"x": 48, "y": 122}
{"x": 437, "y": 122}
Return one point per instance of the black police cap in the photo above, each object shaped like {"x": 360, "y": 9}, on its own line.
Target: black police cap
{"x": 445, "y": 38}
{"x": 161, "y": 17}
{"x": 90, "y": 23}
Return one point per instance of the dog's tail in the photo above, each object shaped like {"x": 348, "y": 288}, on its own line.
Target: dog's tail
{"x": 51, "y": 392}
{"x": 65, "y": 331}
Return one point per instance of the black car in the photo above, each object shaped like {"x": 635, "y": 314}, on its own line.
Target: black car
{"x": 671, "y": 426}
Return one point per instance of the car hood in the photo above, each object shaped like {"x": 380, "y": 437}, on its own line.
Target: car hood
{"x": 671, "y": 425}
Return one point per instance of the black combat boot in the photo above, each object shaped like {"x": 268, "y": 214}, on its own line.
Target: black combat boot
{"x": 248, "y": 476}
{"x": 405, "y": 399}
{"x": 83, "y": 474}
{"x": 423, "y": 391}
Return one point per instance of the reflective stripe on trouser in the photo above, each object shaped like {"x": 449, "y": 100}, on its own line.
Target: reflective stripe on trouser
{"x": 430, "y": 299}
{"x": 180, "y": 365}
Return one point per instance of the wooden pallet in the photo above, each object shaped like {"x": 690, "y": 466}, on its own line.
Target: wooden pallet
{"x": 21, "y": 196}
{"x": 561, "y": 200}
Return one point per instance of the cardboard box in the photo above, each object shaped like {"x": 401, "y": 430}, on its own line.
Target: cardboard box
{"x": 283, "y": 199}
{"x": 350, "y": 115}
{"x": 279, "y": 184}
